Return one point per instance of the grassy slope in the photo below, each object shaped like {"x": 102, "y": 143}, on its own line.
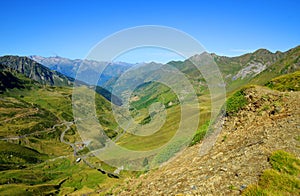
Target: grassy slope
{"x": 288, "y": 64}
{"x": 33, "y": 111}
{"x": 282, "y": 179}
{"x": 153, "y": 92}
{"x": 47, "y": 176}
{"x": 148, "y": 95}
{"x": 288, "y": 82}
{"x": 18, "y": 156}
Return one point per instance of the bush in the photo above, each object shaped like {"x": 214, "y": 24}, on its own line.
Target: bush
{"x": 200, "y": 133}
{"x": 235, "y": 102}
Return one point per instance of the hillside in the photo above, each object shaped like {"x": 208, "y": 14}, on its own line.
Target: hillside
{"x": 14, "y": 67}
{"x": 288, "y": 64}
{"x": 287, "y": 82}
{"x": 236, "y": 71}
{"x": 38, "y": 139}
{"x": 255, "y": 68}
{"x": 268, "y": 122}
{"x": 10, "y": 79}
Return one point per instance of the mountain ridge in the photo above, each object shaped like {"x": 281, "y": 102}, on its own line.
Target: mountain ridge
{"x": 69, "y": 67}
{"x": 14, "y": 66}
{"x": 36, "y": 71}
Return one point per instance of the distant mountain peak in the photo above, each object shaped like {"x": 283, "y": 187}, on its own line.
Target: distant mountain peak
{"x": 262, "y": 51}
{"x": 90, "y": 67}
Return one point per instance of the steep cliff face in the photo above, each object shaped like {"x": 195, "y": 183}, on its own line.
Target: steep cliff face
{"x": 269, "y": 121}
{"x": 35, "y": 71}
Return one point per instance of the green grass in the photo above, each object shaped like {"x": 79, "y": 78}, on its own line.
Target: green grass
{"x": 159, "y": 138}
{"x": 235, "y": 102}
{"x": 30, "y": 164}
{"x": 288, "y": 82}
{"x": 45, "y": 106}
{"x": 46, "y": 176}
{"x": 152, "y": 92}
{"x": 282, "y": 179}
{"x": 200, "y": 133}
{"x": 17, "y": 117}
{"x": 16, "y": 156}
{"x": 24, "y": 190}
{"x": 285, "y": 163}
{"x": 57, "y": 100}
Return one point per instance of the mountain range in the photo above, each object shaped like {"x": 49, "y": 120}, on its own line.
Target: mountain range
{"x": 13, "y": 67}
{"x": 235, "y": 70}
{"x": 36, "y": 71}
{"x": 70, "y": 67}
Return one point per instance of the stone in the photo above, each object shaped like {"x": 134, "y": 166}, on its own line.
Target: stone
{"x": 243, "y": 187}
{"x": 223, "y": 169}
{"x": 193, "y": 187}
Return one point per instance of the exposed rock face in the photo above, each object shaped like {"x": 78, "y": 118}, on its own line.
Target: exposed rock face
{"x": 270, "y": 121}
{"x": 252, "y": 69}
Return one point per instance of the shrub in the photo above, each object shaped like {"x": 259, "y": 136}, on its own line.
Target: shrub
{"x": 235, "y": 102}
{"x": 200, "y": 133}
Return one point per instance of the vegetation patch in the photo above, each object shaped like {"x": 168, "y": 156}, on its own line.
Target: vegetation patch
{"x": 288, "y": 82}
{"x": 17, "y": 156}
{"x": 200, "y": 133}
{"x": 168, "y": 152}
{"x": 236, "y": 102}
{"x": 282, "y": 179}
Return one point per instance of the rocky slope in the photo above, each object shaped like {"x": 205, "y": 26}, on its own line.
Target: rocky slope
{"x": 270, "y": 121}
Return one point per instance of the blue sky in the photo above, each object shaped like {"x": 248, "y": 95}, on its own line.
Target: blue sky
{"x": 71, "y": 28}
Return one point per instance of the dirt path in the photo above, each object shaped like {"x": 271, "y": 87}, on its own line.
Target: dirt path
{"x": 52, "y": 129}
{"x": 21, "y": 115}
{"x": 68, "y": 124}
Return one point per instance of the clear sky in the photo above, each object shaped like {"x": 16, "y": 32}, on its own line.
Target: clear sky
{"x": 70, "y": 28}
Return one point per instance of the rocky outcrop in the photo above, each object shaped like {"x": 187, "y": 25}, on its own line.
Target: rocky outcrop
{"x": 251, "y": 70}
{"x": 270, "y": 121}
